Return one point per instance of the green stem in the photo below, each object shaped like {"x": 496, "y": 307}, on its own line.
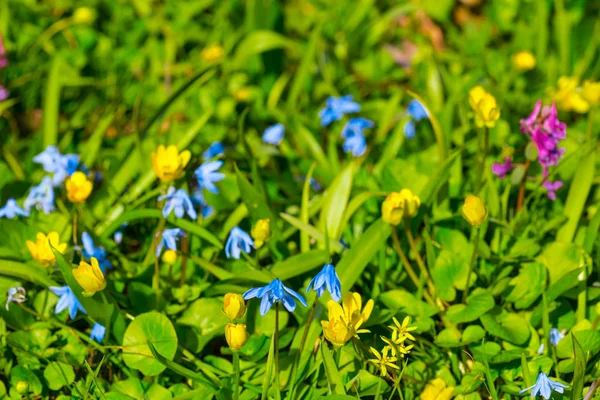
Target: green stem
{"x": 409, "y": 269}
{"x": 296, "y": 365}
{"x": 473, "y": 261}
{"x": 484, "y": 151}
{"x": 420, "y": 262}
{"x": 236, "y": 375}
{"x": 378, "y": 391}
{"x": 276, "y": 344}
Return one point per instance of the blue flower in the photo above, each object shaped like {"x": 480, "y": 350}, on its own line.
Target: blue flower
{"x": 273, "y": 134}
{"x": 416, "y": 110}
{"x": 336, "y": 107}
{"x": 12, "y": 209}
{"x": 67, "y": 300}
{"x": 409, "y": 129}
{"x": 198, "y": 200}
{"x": 178, "y": 201}
{"x": 237, "y": 242}
{"x": 50, "y": 159}
{"x": 98, "y": 332}
{"x": 352, "y": 132}
{"x": 15, "y": 295}
{"x": 357, "y": 145}
{"x": 272, "y": 293}
{"x": 555, "y": 336}
{"x": 214, "y": 150}
{"x": 54, "y": 162}
{"x": 544, "y": 386}
{"x": 207, "y": 176}
{"x": 326, "y": 279}
{"x": 41, "y": 196}
{"x": 169, "y": 240}
{"x": 89, "y": 250}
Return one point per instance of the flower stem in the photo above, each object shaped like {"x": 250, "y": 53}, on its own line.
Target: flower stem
{"x": 185, "y": 244}
{"x": 409, "y": 269}
{"x": 420, "y": 262}
{"x": 484, "y": 151}
{"x": 296, "y": 364}
{"x": 521, "y": 198}
{"x": 236, "y": 375}
{"x": 276, "y": 345}
{"x": 378, "y": 391}
{"x": 473, "y": 261}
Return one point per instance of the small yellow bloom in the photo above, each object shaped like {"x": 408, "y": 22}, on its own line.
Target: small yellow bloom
{"x": 399, "y": 205}
{"x": 169, "y": 257}
{"x": 403, "y": 329}
{"x": 261, "y": 232}
{"x": 485, "y": 107}
{"x": 41, "y": 250}
{"x": 168, "y": 163}
{"x": 337, "y": 331}
{"x": 234, "y": 306}
{"x": 396, "y": 344}
{"x": 83, "y": 16}
{"x": 212, "y": 53}
{"x": 78, "y": 187}
{"x": 382, "y": 361}
{"x": 524, "y": 60}
{"x": 569, "y": 96}
{"x": 89, "y": 277}
{"x": 591, "y": 92}
{"x": 473, "y": 210}
{"x": 236, "y": 336}
{"x": 353, "y": 311}
{"x": 242, "y": 94}
{"x": 437, "y": 390}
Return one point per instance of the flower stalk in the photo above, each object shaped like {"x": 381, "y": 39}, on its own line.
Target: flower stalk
{"x": 475, "y": 235}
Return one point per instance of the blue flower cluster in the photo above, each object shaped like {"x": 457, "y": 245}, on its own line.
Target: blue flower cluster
{"x": 417, "y": 112}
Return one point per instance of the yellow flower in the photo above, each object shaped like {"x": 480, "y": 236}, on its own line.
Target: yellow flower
{"x": 396, "y": 344}
{"x": 337, "y": 330}
{"x": 402, "y": 328}
{"x": 242, "y": 94}
{"x": 169, "y": 257}
{"x": 485, "y": 107}
{"x": 473, "y": 210}
{"x": 212, "y": 53}
{"x": 89, "y": 277}
{"x": 568, "y": 95}
{"x": 524, "y": 60}
{"x": 382, "y": 361}
{"x": 591, "y": 92}
{"x": 234, "y": 306}
{"x": 83, "y": 16}
{"x": 78, "y": 187}
{"x": 41, "y": 250}
{"x": 399, "y": 205}
{"x": 261, "y": 232}
{"x": 353, "y": 311}
{"x": 168, "y": 163}
{"x": 437, "y": 390}
{"x": 236, "y": 336}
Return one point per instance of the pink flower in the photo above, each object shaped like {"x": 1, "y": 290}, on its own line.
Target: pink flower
{"x": 552, "y": 187}
{"x": 501, "y": 169}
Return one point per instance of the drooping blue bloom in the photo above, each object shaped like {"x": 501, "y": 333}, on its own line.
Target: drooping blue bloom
{"x": 67, "y": 300}
{"x": 352, "y": 133}
{"x": 409, "y": 129}
{"x": 555, "y": 336}
{"x": 274, "y": 134}
{"x": 326, "y": 279}
{"x": 272, "y": 293}
{"x": 16, "y": 295}
{"x": 416, "y": 110}
{"x": 207, "y": 175}
{"x": 50, "y": 159}
{"x": 71, "y": 163}
{"x": 237, "y": 242}
{"x": 214, "y": 150}
{"x": 336, "y": 107}
{"x": 60, "y": 166}
{"x": 90, "y": 250}
{"x": 12, "y": 209}
{"x": 198, "y": 200}
{"x": 168, "y": 240}
{"x": 357, "y": 145}
{"x": 541, "y": 349}
{"x": 544, "y": 387}
{"x": 98, "y": 332}
{"x": 178, "y": 201}
{"x": 41, "y": 196}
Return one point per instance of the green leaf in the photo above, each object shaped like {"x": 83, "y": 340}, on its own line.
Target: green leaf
{"x": 153, "y": 328}
{"x": 335, "y": 201}
{"x": 400, "y": 300}
{"x": 304, "y": 212}
{"x": 333, "y": 375}
{"x": 561, "y": 258}
{"x": 472, "y": 334}
{"x": 300, "y": 264}
{"x": 435, "y": 183}
{"x": 197, "y": 230}
{"x": 304, "y": 71}
{"x": 311, "y": 231}
{"x": 258, "y": 42}
{"x": 257, "y": 205}
{"x": 58, "y": 374}
{"x": 206, "y": 315}
{"x": 528, "y": 285}
{"x": 506, "y": 326}
{"x": 22, "y": 374}
{"x": 127, "y": 217}
{"x": 30, "y": 273}
{"x": 449, "y": 337}
{"x": 579, "y": 375}
{"x": 52, "y": 101}
{"x": 450, "y": 273}
{"x": 478, "y": 303}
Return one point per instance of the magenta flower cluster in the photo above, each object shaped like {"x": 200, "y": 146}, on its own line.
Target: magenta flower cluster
{"x": 545, "y": 131}
{"x": 3, "y": 63}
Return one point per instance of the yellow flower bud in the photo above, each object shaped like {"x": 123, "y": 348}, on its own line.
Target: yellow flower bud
{"x": 169, "y": 257}
{"x": 261, "y": 232}
{"x": 437, "y": 390}
{"x": 83, "y": 16}
{"x": 22, "y": 387}
{"x": 591, "y": 92}
{"x": 168, "y": 163}
{"x": 212, "y": 53}
{"x": 569, "y": 96}
{"x": 524, "y": 60}
{"x": 89, "y": 277}
{"x": 236, "y": 336}
{"x": 399, "y": 205}
{"x": 78, "y": 187}
{"x": 41, "y": 250}
{"x": 474, "y": 210}
{"x": 485, "y": 107}
{"x": 234, "y": 306}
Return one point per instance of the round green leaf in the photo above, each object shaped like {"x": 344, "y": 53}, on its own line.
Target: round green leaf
{"x": 150, "y": 327}
{"x": 58, "y": 374}
{"x": 22, "y": 374}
